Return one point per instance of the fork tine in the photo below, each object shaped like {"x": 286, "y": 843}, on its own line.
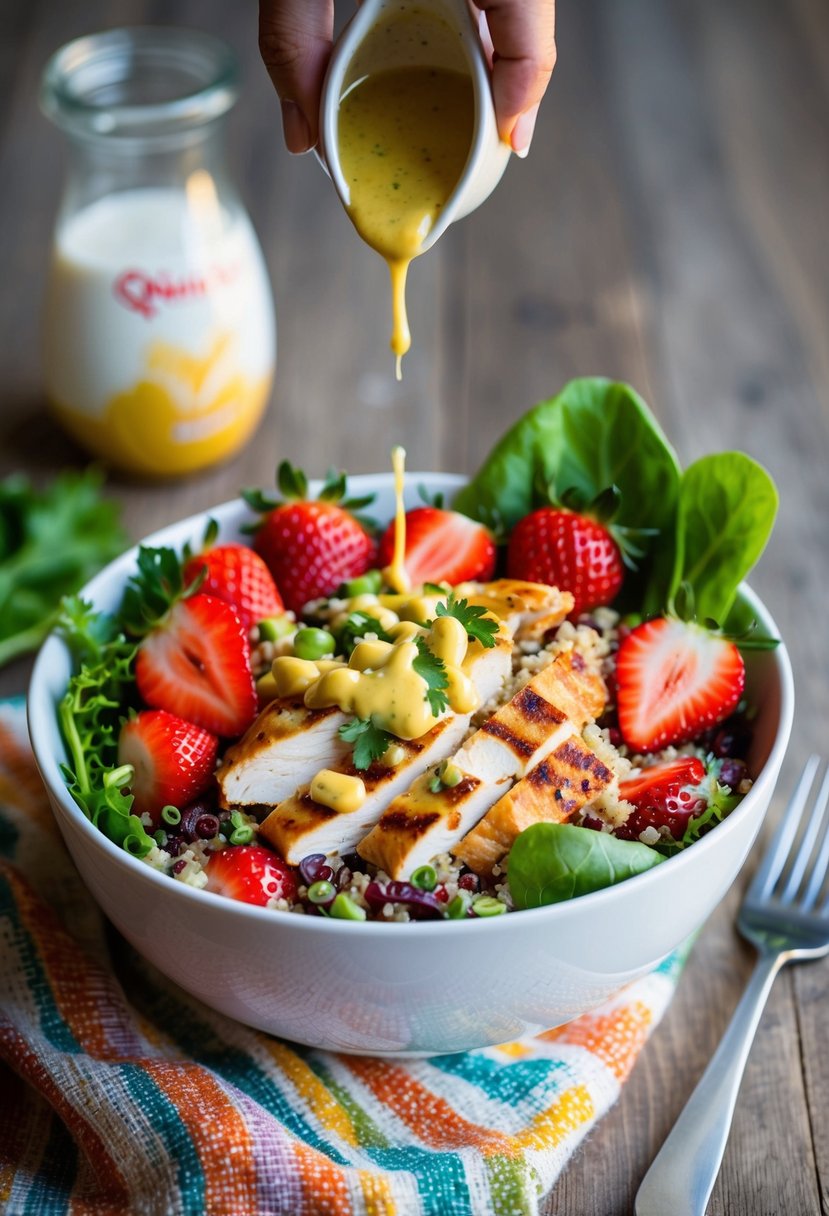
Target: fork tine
{"x": 816, "y": 824}
{"x": 775, "y": 856}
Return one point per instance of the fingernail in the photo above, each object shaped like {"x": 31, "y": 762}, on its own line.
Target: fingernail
{"x": 522, "y": 132}
{"x": 296, "y": 129}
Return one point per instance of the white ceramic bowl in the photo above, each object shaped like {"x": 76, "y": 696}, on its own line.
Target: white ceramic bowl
{"x": 420, "y": 988}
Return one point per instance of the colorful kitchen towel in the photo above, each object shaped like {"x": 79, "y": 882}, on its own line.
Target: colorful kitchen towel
{"x": 120, "y": 1094}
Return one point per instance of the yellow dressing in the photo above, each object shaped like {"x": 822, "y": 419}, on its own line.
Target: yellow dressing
{"x": 404, "y": 137}
{"x": 338, "y": 791}
{"x": 395, "y": 574}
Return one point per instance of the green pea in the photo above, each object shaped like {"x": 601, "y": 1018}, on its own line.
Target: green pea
{"x": 487, "y": 905}
{"x": 171, "y": 815}
{"x": 424, "y": 878}
{"x": 344, "y": 908}
{"x": 458, "y": 907}
{"x": 272, "y": 628}
{"x": 367, "y": 584}
{"x": 313, "y": 644}
{"x": 321, "y": 892}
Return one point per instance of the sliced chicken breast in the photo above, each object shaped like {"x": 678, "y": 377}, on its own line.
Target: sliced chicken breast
{"x": 419, "y": 824}
{"x": 528, "y": 609}
{"x": 299, "y": 825}
{"x": 283, "y": 748}
{"x": 564, "y": 781}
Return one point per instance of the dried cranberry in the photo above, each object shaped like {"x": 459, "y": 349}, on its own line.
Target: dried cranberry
{"x": 179, "y": 865}
{"x": 732, "y": 772}
{"x": 207, "y": 826}
{"x": 421, "y": 904}
{"x": 174, "y": 845}
{"x": 441, "y": 893}
{"x": 592, "y": 822}
{"x": 469, "y": 882}
{"x": 191, "y": 815}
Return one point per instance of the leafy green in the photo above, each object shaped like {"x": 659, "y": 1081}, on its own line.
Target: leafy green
{"x": 370, "y": 742}
{"x": 51, "y": 542}
{"x": 90, "y": 716}
{"x": 726, "y": 510}
{"x": 595, "y": 433}
{"x": 355, "y": 627}
{"x": 433, "y": 670}
{"x": 478, "y": 625}
{"x": 551, "y": 862}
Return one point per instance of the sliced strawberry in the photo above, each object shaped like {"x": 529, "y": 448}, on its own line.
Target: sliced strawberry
{"x": 442, "y": 547}
{"x": 251, "y": 874}
{"x": 665, "y": 795}
{"x": 237, "y": 575}
{"x": 570, "y": 551}
{"x": 173, "y": 760}
{"x": 674, "y": 681}
{"x": 196, "y": 663}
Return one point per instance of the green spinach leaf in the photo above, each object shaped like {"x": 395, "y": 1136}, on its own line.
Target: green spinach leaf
{"x": 551, "y": 862}
{"x": 726, "y": 510}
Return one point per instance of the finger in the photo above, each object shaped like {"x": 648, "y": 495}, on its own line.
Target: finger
{"x": 523, "y": 35}
{"x": 295, "y": 42}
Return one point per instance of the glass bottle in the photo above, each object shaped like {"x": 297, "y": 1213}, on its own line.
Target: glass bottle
{"x": 160, "y": 333}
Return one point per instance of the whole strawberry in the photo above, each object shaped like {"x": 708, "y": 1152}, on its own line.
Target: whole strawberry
{"x": 570, "y": 551}
{"x": 442, "y": 546}
{"x": 237, "y": 575}
{"x": 311, "y": 546}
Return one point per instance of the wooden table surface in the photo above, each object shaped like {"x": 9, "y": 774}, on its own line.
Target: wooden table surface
{"x": 670, "y": 229}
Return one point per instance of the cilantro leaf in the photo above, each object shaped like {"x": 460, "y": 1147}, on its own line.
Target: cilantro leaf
{"x": 433, "y": 670}
{"x": 370, "y": 742}
{"x": 478, "y": 625}
{"x": 51, "y": 543}
{"x": 356, "y": 626}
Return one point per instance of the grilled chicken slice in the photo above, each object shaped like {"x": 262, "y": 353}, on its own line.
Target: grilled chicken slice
{"x": 299, "y": 825}
{"x": 528, "y": 609}
{"x": 283, "y": 748}
{"x": 552, "y": 792}
{"x": 420, "y": 824}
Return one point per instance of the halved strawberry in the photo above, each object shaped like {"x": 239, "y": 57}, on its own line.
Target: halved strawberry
{"x": 664, "y": 795}
{"x": 674, "y": 680}
{"x": 311, "y": 546}
{"x": 173, "y": 760}
{"x": 237, "y": 575}
{"x": 251, "y": 874}
{"x": 442, "y": 546}
{"x": 196, "y": 663}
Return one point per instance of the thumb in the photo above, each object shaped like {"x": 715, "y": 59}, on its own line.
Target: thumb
{"x": 523, "y": 38}
{"x": 295, "y": 43}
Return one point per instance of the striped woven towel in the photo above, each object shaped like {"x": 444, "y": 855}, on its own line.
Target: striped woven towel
{"x": 121, "y": 1094}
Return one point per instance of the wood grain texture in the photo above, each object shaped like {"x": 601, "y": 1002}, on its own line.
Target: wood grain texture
{"x": 669, "y": 228}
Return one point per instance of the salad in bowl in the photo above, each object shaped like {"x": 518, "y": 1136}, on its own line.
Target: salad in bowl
{"x": 478, "y": 707}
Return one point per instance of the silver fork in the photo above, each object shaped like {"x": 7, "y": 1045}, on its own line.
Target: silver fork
{"x": 781, "y": 916}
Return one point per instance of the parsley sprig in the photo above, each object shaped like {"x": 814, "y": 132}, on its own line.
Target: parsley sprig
{"x": 478, "y": 625}
{"x": 355, "y": 628}
{"x": 433, "y": 670}
{"x": 370, "y": 742}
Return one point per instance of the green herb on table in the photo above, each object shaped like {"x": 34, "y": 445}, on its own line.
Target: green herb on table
{"x": 551, "y": 862}
{"x": 51, "y": 543}
{"x": 90, "y": 717}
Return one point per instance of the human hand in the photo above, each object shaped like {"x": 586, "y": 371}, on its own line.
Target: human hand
{"x": 295, "y": 41}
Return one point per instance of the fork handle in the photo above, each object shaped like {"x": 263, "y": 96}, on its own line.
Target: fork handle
{"x": 685, "y": 1169}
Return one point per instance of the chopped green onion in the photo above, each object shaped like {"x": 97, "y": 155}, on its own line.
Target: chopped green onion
{"x": 424, "y": 878}
{"x": 160, "y": 838}
{"x": 458, "y": 907}
{"x": 344, "y": 908}
{"x": 321, "y": 892}
{"x": 272, "y": 628}
{"x": 241, "y": 835}
{"x": 171, "y": 815}
{"x": 487, "y": 905}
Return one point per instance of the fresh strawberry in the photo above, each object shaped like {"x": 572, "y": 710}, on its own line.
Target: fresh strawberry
{"x": 196, "y": 663}
{"x": 666, "y": 795}
{"x": 442, "y": 547}
{"x": 674, "y": 681}
{"x": 237, "y": 575}
{"x": 173, "y": 760}
{"x": 250, "y": 873}
{"x": 567, "y": 550}
{"x": 311, "y": 547}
